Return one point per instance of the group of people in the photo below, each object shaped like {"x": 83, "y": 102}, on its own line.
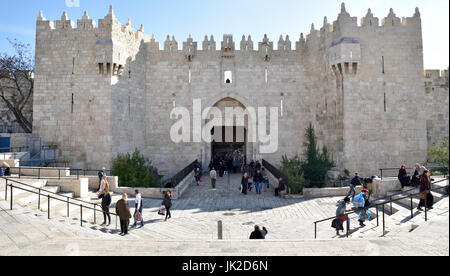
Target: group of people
{"x": 253, "y": 176}
{"x": 361, "y": 206}
{"x": 361, "y": 203}
{"x": 227, "y": 163}
{"x": 123, "y": 207}
{"x": 422, "y": 179}
{"x": 406, "y": 180}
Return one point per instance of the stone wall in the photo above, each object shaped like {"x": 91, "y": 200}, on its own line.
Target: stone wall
{"x": 437, "y": 106}
{"x": 110, "y": 89}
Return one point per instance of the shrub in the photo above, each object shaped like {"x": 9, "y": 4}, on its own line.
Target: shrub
{"x": 135, "y": 171}
{"x": 292, "y": 171}
{"x": 439, "y": 154}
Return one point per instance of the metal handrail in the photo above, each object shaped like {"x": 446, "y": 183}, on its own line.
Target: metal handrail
{"x": 79, "y": 172}
{"x": 383, "y": 204}
{"x": 67, "y": 200}
{"x": 181, "y": 175}
{"x": 396, "y": 169}
{"x": 79, "y": 200}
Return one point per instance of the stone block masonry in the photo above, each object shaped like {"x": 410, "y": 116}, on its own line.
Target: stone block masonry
{"x": 106, "y": 88}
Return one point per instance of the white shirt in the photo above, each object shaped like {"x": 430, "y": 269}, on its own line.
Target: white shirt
{"x": 213, "y": 174}
{"x": 138, "y": 201}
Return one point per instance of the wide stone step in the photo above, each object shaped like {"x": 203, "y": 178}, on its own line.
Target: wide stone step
{"x": 23, "y": 185}
{"x": 31, "y": 198}
{"x": 56, "y": 201}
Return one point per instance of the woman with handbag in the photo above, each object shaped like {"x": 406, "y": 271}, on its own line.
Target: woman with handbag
{"x": 167, "y": 202}
{"x": 425, "y": 187}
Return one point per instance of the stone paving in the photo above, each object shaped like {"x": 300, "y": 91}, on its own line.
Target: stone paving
{"x": 193, "y": 229}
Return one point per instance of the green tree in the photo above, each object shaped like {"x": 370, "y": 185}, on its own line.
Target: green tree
{"x": 317, "y": 162}
{"x": 135, "y": 171}
{"x": 440, "y": 154}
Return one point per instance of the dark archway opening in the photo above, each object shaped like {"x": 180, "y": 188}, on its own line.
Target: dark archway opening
{"x": 231, "y": 146}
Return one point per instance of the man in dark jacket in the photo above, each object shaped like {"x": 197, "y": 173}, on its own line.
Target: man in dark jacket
{"x": 356, "y": 181}
{"x": 123, "y": 211}
{"x": 258, "y": 234}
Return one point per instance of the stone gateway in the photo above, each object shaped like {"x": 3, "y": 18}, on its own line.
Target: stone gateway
{"x": 106, "y": 89}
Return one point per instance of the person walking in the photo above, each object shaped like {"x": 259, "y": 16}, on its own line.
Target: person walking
{"x": 425, "y": 187}
{"x": 123, "y": 211}
{"x": 101, "y": 174}
{"x": 106, "y": 202}
{"x": 360, "y": 205}
{"x": 197, "y": 176}
{"x": 341, "y": 213}
{"x": 138, "y": 209}
{"x": 265, "y": 178}
{"x": 213, "y": 176}
{"x": 356, "y": 181}
{"x": 258, "y": 179}
{"x": 244, "y": 183}
{"x": 259, "y": 234}
{"x": 167, "y": 202}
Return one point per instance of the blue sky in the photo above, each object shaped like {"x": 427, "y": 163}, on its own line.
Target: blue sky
{"x": 238, "y": 17}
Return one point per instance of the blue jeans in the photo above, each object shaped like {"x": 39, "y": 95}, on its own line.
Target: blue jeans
{"x": 352, "y": 192}
{"x": 258, "y": 187}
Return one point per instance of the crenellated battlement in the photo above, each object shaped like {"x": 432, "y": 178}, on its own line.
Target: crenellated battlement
{"x": 436, "y": 78}
{"x": 108, "y": 24}
{"x": 344, "y": 26}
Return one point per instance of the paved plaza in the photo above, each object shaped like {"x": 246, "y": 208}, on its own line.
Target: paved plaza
{"x": 193, "y": 229}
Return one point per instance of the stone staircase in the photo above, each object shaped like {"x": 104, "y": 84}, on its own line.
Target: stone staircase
{"x": 195, "y": 216}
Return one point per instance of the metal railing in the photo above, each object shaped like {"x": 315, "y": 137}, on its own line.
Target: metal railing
{"x": 386, "y": 170}
{"x": 48, "y": 194}
{"x": 382, "y": 205}
{"x": 12, "y": 151}
{"x": 11, "y": 156}
{"x": 180, "y": 176}
{"x": 39, "y": 172}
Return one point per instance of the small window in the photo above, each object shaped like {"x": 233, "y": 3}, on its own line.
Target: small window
{"x": 266, "y": 76}
{"x": 101, "y": 71}
{"x": 189, "y": 76}
{"x": 228, "y": 77}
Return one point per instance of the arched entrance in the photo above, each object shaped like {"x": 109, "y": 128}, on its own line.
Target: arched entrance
{"x": 230, "y": 138}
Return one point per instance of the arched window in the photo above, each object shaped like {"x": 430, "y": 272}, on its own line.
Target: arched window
{"x": 228, "y": 77}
